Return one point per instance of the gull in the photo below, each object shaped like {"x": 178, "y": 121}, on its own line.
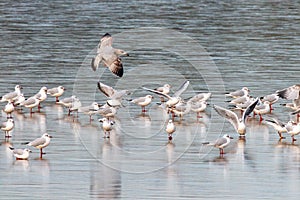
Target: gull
{"x": 30, "y": 103}
{"x": 293, "y": 129}
{"x": 262, "y": 109}
{"x": 20, "y": 154}
{"x": 76, "y": 104}
{"x": 56, "y": 92}
{"x": 165, "y": 89}
{"x": 143, "y": 101}
{"x": 40, "y": 143}
{"x": 107, "y": 111}
{"x": 170, "y": 129}
{"x": 240, "y": 100}
{"x": 290, "y": 93}
{"x": 19, "y": 100}
{"x": 67, "y": 102}
{"x": 272, "y": 98}
{"x": 114, "y": 95}
{"x": 277, "y": 125}
{"x": 7, "y": 126}
{"x": 8, "y": 109}
{"x": 220, "y": 143}
{"x": 109, "y": 56}
{"x": 106, "y": 126}
{"x": 173, "y": 100}
{"x": 12, "y": 96}
{"x": 180, "y": 109}
{"x": 198, "y": 107}
{"x": 200, "y": 97}
{"x": 238, "y": 93}
{"x": 89, "y": 110}
{"x": 238, "y": 124}
{"x": 42, "y": 96}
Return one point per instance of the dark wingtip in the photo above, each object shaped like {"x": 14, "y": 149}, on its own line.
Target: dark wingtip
{"x": 11, "y": 148}
{"x": 106, "y": 35}
{"x": 93, "y": 64}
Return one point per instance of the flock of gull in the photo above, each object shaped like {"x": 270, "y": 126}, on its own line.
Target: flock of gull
{"x": 241, "y": 105}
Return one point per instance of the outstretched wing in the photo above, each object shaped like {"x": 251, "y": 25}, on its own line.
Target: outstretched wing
{"x": 157, "y": 92}
{"x": 106, "y": 90}
{"x": 182, "y": 88}
{"x": 96, "y": 61}
{"x": 289, "y": 93}
{"x": 228, "y": 115}
{"x": 116, "y": 67}
{"x": 249, "y": 109}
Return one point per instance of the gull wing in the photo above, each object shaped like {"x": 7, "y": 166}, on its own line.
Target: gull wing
{"x": 220, "y": 141}
{"x": 116, "y": 67}
{"x": 96, "y": 61}
{"x": 106, "y": 90}
{"x": 249, "y": 109}
{"x": 228, "y": 115}
{"x": 181, "y": 89}
{"x": 37, "y": 142}
{"x": 106, "y": 40}
{"x": 157, "y": 92}
{"x": 289, "y": 93}
{"x": 274, "y": 121}
{"x": 52, "y": 91}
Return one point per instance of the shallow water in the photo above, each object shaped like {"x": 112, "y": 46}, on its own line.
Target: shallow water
{"x": 218, "y": 46}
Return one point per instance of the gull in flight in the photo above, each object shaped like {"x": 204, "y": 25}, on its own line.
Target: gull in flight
{"x": 170, "y": 129}
{"x": 7, "y": 127}
{"x": 143, "y": 101}
{"x": 109, "y": 56}
{"x": 115, "y": 96}
{"x": 40, "y": 143}
{"x": 20, "y": 154}
{"x": 220, "y": 143}
{"x": 56, "y": 92}
{"x": 238, "y": 123}
{"x": 172, "y": 100}
{"x": 12, "y": 96}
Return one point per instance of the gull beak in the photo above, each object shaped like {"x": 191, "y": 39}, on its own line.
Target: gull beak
{"x": 50, "y": 136}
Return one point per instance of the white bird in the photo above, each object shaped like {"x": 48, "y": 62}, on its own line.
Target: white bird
{"x": 56, "y": 92}
{"x": 180, "y": 109}
{"x": 7, "y": 126}
{"x": 220, "y": 143}
{"x": 30, "y": 103}
{"x": 272, "y": 98}
{"x": 90, "y": 109}
{"x": 42, "y": 96}
{"x": 12, "y": 96}
{"x": 114, "y": 95}
{"x": 143, "y": 101}
{"x": 107, "y": 111}
{"x": 262, "y": 109}
{"x": 277, "y": 125}
{"x": 198, "y": 107}
{"x": 106, "y": 126}
{"x": 165, "y": 89}
{"x": 293, "y": 129}
{"x": 109, "y": 56}
{"x": 238, "y": 124}
{"x": 68, "y": 102}
{"x": 238, "y": 93}
{"x": 201, "y": 97}
{"x": 76, "y": 104}
{"x": 19, "y": 100}
{"x": 40, "y": 143}
{"x": 290, "y": 93}
{"x": 20, "y": 154}
{"x": 170, "y": 129}
{"x": 173, "y": 100}
{"x": 9, "y": 108}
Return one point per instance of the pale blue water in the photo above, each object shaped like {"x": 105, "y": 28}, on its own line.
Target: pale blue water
{"x": 218, "y": 46}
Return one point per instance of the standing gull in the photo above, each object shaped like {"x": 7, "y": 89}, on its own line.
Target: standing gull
{"x": 42, "y": 96}
{"x": 12, "y": 96}
{"x": 170, "y": 129}
{"x": 8, "y": 109}
{"x": 143, "y": 101}
{"x": 238, "y": 93}
{"x": 40, "y": 143}
{"x": 238, "y": 124}
{"x": 7, "y": 127}
{"x": 277, "y": 125}
{"x": 165, "y": 89}
{"x": 106, "y": 126}
{"x": 272, "y": 98}
{"x": 172, "y": 100}
{"x": 20, "y": 154}
{"x": 220, "y": 143}
{"x": 262, "y": 109}
{"x": 67, "y": 102}
{"x": 109, "y": 56}
{"x": 56, "y": 92}
{"x": 89, "y": 110}
{"x": 30, "y": 103}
